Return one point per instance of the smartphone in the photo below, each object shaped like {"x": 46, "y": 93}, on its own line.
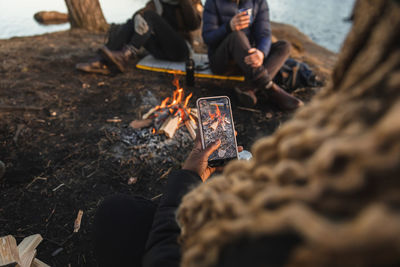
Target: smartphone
{"x": 216, "y": 122}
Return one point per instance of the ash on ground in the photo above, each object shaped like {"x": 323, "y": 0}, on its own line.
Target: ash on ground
{"x": 143, "y": 149}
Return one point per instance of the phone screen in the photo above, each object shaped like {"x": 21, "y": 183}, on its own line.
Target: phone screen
{"x": 217, "y": 123}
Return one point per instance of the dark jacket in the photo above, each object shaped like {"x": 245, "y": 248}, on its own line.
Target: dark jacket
{"x": 162, "y": 248}
{"x": 184, "y": 17}
{"x": 218, "y": 14}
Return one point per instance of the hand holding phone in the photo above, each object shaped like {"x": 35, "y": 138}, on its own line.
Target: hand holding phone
{"x": 197, "y": 160}
{"x": 216, "y": 123}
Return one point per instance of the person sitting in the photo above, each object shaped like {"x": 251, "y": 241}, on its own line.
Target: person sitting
{"x": 133, "y": 231}
{"x": 162, "y": 27}
{"x": 242, "y": 40}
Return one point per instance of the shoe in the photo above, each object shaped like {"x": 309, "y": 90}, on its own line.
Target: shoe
{"x": 94, "y": 66}
{"x": 118, "y": 59}
{"x": 246, "y": 98}
{"x": 283, "y": 99}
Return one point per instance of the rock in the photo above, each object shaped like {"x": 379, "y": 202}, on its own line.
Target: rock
{"x": 320, "y": 59}
{"x": 51, "y": 17}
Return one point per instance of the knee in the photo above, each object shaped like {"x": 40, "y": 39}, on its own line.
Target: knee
{"x": 237, "y": 36}
{"x": 283, "y": 48}
{"x": 150, "y": 14}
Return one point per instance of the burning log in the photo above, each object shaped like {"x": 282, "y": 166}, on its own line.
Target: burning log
{"x": 191, "y": 129}
{"x": 194, "y": 113}
{"x": 168, "y": 116}
{"x": 149, "y": 113}
{"x": 214, "y": 125}
{"x": 138, "y": 124}
{"x": 170, "y": 126}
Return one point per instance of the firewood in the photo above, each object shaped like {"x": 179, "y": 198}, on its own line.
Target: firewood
{"x": 149, "y": 113}
{"x": 39, "y": 263}
{"x": 138, "y": 124}
{"x": 193, "y": 124}
{"x": 191, "y": 131}
{"x": 51, "y": 17}
{"x": 8, "y": 251}
{"x": 214, "y": 125}
{"x": 28, "y": 245}
{"x": 77, "y": 223}
{"x": 27, "y": 259}
{"x": 169, "y": 126}
{"x": 194, "y": 113}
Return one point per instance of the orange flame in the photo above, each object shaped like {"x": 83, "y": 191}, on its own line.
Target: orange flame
{"x": 187, "y": 100}
{"x": 175, "y": 105}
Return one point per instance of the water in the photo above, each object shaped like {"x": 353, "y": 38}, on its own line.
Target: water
{"x": 321, "y": 20}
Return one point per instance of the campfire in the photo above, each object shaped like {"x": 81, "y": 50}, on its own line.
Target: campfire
{"x": 215, "y": 119}
{"x": 172, "y": 113}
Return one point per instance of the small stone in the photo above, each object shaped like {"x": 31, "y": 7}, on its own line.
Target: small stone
{"x": 85, "y": 85}
{"x": 132, "y": 180}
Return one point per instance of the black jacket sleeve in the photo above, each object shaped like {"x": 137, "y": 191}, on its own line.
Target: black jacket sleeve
{"x": 162, "y": 248}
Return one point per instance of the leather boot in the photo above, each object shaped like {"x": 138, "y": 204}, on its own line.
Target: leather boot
{"x": 118, "y": 59}
{"x": 246, "y": 98}
{"x": 282, "y": 98}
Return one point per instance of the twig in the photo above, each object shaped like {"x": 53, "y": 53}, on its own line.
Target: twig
{"x": 20, "y": 108}
{"x": 158, "y": 196}
{"x": 165, "y": 174}
{"x": 17, "y": 132}
{"x": 34, "y": 180}
{"x": 250, "y": 109}
{"x": 77, "y": 224}
{"x": 58, "y": 187}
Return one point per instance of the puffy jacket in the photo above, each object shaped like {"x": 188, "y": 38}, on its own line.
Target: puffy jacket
{"x": 218, "y": 14}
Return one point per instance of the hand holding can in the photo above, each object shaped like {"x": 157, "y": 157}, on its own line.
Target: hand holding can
{"x": 241, "y": 20}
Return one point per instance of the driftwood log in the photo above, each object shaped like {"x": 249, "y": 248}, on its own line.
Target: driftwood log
{"x": 51, "y": 17}
{"x": 324, "y": 190}
{"x": 86, "y": 14}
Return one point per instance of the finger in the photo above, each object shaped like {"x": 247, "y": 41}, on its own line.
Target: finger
{"x": 235, "y": 133}
{"x": 243, "y": 16}
{"x": 240, "y": 148}
{"x": 243, "y": 26}
{"x": 251, "y": 51}
{"x": 243, "y": 22}
{"x": 211, "y": 148}
{"x": 219, "y": 169}
{"x": 209, "y": 170}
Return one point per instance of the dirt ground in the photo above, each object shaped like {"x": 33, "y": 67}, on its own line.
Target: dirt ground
{"x": 61, "y": 153}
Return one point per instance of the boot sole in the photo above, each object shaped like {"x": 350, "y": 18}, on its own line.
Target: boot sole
{"x": 245, "y": 99}
{"x": 105, "y": 53}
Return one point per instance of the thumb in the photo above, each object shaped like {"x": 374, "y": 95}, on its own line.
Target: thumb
{"x": 252, "y": 50}
{"x": 211, "y": 148}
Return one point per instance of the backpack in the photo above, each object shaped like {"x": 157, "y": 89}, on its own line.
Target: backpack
{"x": 294, "y": 74}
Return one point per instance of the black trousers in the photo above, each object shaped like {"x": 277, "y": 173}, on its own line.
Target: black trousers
{"x": 229, "y": 59}
{"x": 161, "y": 40}
{"x": 121, "y": 228}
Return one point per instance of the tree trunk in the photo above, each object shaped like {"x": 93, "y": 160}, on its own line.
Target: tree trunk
{"x": 86, "y": 14}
